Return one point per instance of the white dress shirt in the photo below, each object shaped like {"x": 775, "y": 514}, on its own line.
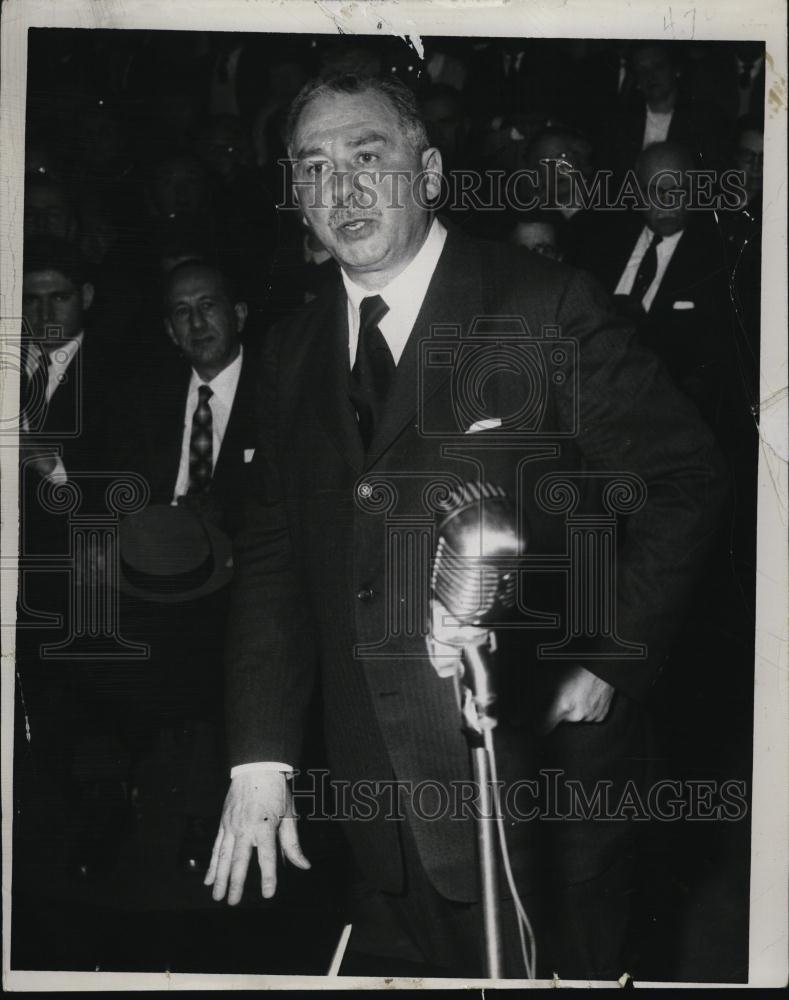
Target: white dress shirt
{"x": 404, "y": 295}
{"x": 59, "y": 360}
{"x": 665, "y": 251}
{"x": 224, "y": 387}
{"x": 656, "y": 127}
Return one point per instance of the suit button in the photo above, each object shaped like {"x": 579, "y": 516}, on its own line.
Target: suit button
{"x": 365, "y": 594}
{"x": 364, "y": 490}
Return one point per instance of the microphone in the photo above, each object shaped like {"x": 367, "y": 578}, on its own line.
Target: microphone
{"x": 475, "y": 571}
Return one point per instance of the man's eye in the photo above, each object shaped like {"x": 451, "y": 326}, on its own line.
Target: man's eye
{"x": 61, "y": 297}
{"x": 316, "y": 167}
{"x": 207, "y": 305}
{"x": 180, "y": 313}
{"x": 367, "y": 158}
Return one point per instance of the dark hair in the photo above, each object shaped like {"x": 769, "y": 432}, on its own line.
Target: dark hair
{"x": 390, "y": 88}
{"x": 683, "y": 156}
{"x": 225, "y": 273}
{"x": 48, "y": 253}
{"x": 672, "y": 50}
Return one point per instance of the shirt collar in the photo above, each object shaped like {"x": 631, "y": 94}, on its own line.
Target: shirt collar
{"x": 410, "y": 286}
{"x": 667, "y": 243}
{"x": 224, "y": 384}
{"x": 59, "y": 359}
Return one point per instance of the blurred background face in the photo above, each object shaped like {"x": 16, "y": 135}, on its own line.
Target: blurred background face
{"x": 750, "y": 159}
{"x": 180, "y": 187}
{"x": 54, "y": 306}
{"x": 48, "y": 212}
{"x": 445, "y": 124}
{"x": 224, "y": 147}
{"x": 655, "y": 73}
{"x": 540, "y": 237}
{"x": 337, "y": 137}
{"x": 557, "y": 157}
{"x": 667, "y": 213}
{"x": 201, "y": 319}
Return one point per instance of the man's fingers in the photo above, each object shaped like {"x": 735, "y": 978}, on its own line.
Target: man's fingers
{"x": 239, "y": 867}
{"x": 210, "y": 875}
{"x": 267, "y": 859}
{"x": 224, "y": 860}
{"x": 289, "y": 843}
{"x": 553, "y": 717}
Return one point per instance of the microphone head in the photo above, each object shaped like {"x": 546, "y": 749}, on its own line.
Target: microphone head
{"x": 475, "y": 568}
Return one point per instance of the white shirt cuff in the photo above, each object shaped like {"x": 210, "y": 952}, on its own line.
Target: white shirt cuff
{"x": 261, "y": 765}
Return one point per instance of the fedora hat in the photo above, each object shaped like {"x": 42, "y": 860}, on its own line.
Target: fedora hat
{"x": 169, "y": 554}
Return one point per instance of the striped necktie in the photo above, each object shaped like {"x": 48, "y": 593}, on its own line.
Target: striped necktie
{"x": 201, "y": 443}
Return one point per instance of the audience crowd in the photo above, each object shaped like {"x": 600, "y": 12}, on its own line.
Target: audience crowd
{"x": 156, "y": 202}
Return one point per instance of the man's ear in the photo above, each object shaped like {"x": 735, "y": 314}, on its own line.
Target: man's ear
{"x": 87, "y": 291}
{"x": 242, "y": 311}
{"x": 168, "y": 326}
{"x": 432, "y": 168}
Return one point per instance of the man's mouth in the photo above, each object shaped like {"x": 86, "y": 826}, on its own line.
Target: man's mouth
{"x": 357, "y": 224}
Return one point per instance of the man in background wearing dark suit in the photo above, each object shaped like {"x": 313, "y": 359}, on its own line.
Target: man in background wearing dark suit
{"x": 351, "y": 410}
{"x": 666, "y": 267}
{"x": 211, "y": 382}
{"x": 189, "y": 432}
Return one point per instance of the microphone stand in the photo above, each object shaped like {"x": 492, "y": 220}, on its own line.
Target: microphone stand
{"x": 476, "y": 697}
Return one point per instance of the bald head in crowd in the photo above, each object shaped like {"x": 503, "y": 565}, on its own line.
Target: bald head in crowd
{"x": 662, "y": 172}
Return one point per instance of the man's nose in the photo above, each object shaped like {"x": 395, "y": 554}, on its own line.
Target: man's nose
{"x": 196, "y": 319}
{"x": 342, "y": 182}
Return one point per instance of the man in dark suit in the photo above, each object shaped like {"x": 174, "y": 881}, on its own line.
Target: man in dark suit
{"x": 666, "y": 267}
{"x": 666, "y": 113}
{"x": 189, "y": 431}
{"x": 204, "y": 318}
{"x": 359, "y": 418}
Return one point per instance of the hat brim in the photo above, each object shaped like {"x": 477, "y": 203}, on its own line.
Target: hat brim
{"x": 221, "y": 574}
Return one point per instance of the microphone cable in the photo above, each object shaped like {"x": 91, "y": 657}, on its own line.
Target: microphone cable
{"x": 529, "y": 953}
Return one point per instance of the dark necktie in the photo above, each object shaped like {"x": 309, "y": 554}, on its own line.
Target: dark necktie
{"x": 647, "y": 270}
{"x": 201, "y": 443}
{"x": 373, "y": 369}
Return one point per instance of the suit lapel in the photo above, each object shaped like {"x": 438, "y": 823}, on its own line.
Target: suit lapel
{"x": 240, "y": 423}
{"x": 453, "y": 298}
{"x": 166, "y": 435}
{"x": 328, "y": 381}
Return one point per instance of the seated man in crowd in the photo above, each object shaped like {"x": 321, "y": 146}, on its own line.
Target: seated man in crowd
{"x": 667, "y": 112}
{"x": 665, "y": 267}
{"x": 189, "y": 432}
{"x": 66, "y": 390}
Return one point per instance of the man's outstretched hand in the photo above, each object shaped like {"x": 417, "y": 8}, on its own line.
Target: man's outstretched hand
{"x": 258, "y": 812}
{"x": 581, "y": 696}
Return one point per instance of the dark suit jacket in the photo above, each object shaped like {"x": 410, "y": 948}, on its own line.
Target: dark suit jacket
{"x": 702, "y": 128}
{"x": 690, "y": 324}
{"x": 74, "y": 424}
{"x": 313, "y": 578}
{"x": 150, "y": 443}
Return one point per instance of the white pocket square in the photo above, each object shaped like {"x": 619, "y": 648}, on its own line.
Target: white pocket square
{"x": 249, "y": 454}
{"x": 679, "y": 304}
{"x": 484, "y": 425}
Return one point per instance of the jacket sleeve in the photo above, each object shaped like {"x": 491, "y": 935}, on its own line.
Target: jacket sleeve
{"x": 632, "y": 419}
{"x": 271, "y": 655}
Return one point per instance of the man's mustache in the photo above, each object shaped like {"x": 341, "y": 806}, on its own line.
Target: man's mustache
{"x": 341, "y": 216}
